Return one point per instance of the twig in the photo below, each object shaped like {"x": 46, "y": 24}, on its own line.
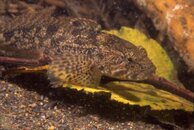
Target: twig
{"x": 23, "y": 61}
{"x": 162, "y": 83}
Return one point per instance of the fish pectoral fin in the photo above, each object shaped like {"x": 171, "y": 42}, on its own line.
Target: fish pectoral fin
{"x": 76, "y": 69}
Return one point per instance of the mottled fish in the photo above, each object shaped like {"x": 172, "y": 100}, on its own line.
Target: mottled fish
{"x": 79, "y": 52}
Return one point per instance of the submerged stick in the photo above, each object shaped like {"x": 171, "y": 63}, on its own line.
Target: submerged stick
{"x": 162, "y": 83}
{"x": 24, "y": 61}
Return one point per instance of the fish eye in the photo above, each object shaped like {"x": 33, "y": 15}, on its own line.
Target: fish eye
{"x": 129, "y": 59}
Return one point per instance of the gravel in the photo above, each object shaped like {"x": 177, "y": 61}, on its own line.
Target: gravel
{"x": 38, "y": 106}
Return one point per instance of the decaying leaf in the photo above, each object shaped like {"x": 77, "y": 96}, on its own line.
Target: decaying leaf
{"x": 140, "y": 94}
{"x": 143, "y": 94}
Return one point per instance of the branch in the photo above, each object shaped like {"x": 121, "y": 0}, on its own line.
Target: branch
{"x": 162, "y": 83}
{"x": 23, "y": 61}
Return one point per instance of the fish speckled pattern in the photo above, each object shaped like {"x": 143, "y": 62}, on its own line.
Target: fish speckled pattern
{"x": 80, "y": 52}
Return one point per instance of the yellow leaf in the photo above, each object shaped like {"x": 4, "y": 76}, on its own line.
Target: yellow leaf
{"x": 140, "y": 94}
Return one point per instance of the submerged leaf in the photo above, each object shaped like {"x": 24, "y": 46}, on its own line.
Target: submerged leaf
{"x": 143, "y": 94}
{"x": 140, "y": 94}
